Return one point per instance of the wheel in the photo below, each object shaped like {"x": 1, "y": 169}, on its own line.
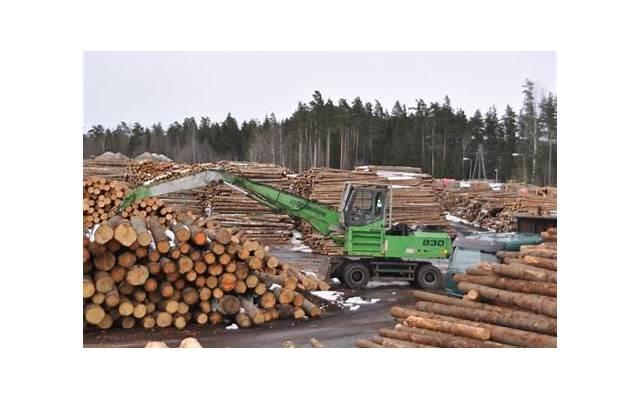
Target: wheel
{"x": 356, "y": 275}
{"x": 428, "y": 277}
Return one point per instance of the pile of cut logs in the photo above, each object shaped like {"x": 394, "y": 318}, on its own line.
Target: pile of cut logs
{"x": 226, "y": 205}
{"x": 511, "y": 304}
{"x": 107, "y": 165}
{"x": 496, "y": 210}
{"x": 414, "y": 197}
{"x": 138, "y": 273}
{"x": 102, "y": 197}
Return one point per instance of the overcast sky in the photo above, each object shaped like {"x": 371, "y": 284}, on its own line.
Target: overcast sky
{"x": 148, "y": 87}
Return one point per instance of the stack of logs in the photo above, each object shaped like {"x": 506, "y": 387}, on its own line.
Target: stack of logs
{"x": 229, "y": 207}
{"x": 102, "y": 198}
{"x": 496, "y": 210}
{"x": 137, "y": 273}
{"x": 107, "y": 165}
{"x": 511, "y": 304}
{"x": 414, "y": 197}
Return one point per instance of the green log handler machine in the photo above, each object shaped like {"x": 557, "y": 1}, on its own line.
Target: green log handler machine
{"x": 374, "y": 247}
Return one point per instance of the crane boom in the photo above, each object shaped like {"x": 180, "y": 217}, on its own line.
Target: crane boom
{"x": 322, "y": 217}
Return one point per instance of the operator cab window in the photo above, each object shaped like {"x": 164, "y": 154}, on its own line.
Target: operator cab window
{"x": 366, "y": 207}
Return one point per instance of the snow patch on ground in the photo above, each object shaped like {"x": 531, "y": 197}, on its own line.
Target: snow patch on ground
{"x": 232, "y": 326}
{"x": 329, "y": 295}
{"x": 351, "y": 304}
{"x": 360, "y": 300}
{"x": 373, "y": 284}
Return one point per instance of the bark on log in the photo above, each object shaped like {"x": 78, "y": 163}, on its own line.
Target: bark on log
{"x": 508, "y": 318}
{"x": 254, "y": 313}
{"x": 159, "y": 236}
{"x": 501, "y": 334}
{"x": 538, "y": 251}
{"x": 540, "y": 262}
{"x": 391, "y": 340}
{"x": 452, "y": 328}
{"x": 362, "y": 343}
{"x": 539, "y": 304}
{"x": 140, "y": 226}
{"x": 311, "y": 309}
{"x": 514, "y": 285}
{"x": 519, "y": 271}
{"x": 441, "y": 339}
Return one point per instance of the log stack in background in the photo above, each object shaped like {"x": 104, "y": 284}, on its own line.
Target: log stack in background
{"x": 414, "y": 197}
{"x": 496, "y": 210}
{"x": 229, "y": 207}
{"x": 511, "y": 304}
{"x": 107, "y": 165}
{"x": 138, "y": 273}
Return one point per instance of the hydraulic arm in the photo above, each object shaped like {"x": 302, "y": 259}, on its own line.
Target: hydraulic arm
{"x": 324, "y": 219}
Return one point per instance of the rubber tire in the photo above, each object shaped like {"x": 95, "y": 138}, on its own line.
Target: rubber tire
{"x": 428, "y": 277}
{"x": 356, "y": 269}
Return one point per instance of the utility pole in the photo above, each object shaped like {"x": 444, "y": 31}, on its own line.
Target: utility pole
{"x": 464, "y": 172}
{"x": 524, "y": 167}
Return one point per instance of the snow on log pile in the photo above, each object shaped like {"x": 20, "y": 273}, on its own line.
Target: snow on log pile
{"x": 138, "y": 273}
{"x": 414, "y": 196}
{"x": 488, "y": 209}
{"x": 511, "y": 304}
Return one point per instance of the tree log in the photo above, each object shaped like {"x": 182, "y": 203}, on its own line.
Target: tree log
{"x": 159, "y": 236}
{"x": 88, "y": 288}
{"x": 501, "y": 334}
{"x": 125, "y": 234}
{"x": 540, "y": 262}
{"x": 229, "y": 304}
{"x": 452, "y": 328}
{"x": 137, "y": 275}
{"x": 267, "y": 300}
{"x": 243, "y": 320}
{"x": 391, "y": 342}
{"x": 367, "y": 344}
{"x": 181, "y": 231}
{"x": 536, "y": 303}
{"x": 140, "y": 226}
{"x": 519, "y": 271}
{"x": 514, "y": 285}
{"x": 254, "y": 313}
{"x": 94, "y": 313}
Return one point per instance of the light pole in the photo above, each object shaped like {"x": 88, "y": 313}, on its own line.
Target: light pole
{"x": 523, "y": 166}
{"x": 463, "y": 160}
{"x": 496, "y": 170}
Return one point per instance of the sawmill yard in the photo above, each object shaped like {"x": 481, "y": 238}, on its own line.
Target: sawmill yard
{"x": 215, "y": 265}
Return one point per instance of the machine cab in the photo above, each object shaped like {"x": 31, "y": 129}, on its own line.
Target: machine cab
{"x": 364, "y": 204}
